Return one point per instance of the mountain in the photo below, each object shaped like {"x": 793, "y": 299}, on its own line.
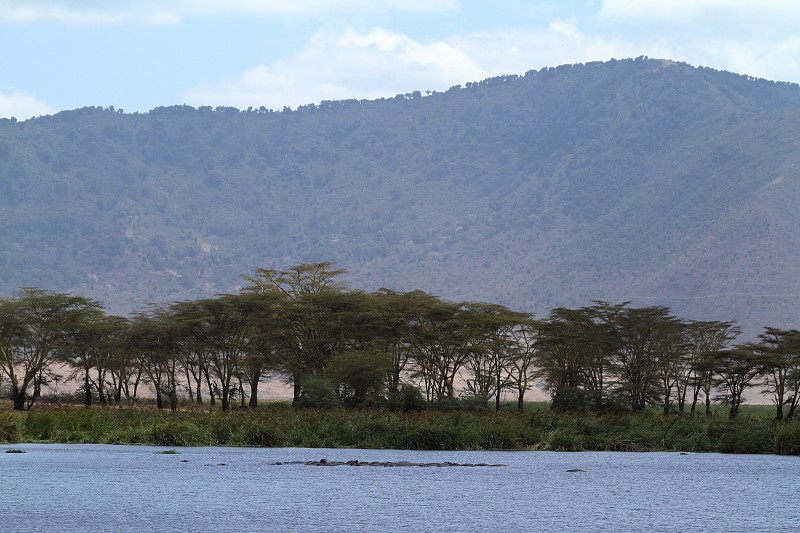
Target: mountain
{"x": 644, "y": 180}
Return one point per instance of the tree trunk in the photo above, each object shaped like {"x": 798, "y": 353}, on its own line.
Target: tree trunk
{"x": 521, "y": 401}
{"x": 189, "y": 385}
{"x": 680, "y": 395}
{"x": 241, "y": 393}
{"x": 212, "y": 395}
{"x": 695, "y": 396}
{"x": 254, "y": 394}
{"x": 225, "y": 397}
{"x": 497, "y": 393}
{"x": 87, "y": 390}
{"x": 199, "y": 395}
{"x": 101, "y": 389}
{"x": 18, "y": 396}
{"x": 296, "y": 390}
{"x": 735, "y": 402}
{"x": 37, "y": 390}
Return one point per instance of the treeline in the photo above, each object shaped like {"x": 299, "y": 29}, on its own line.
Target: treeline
{"x": 342, "y": 347}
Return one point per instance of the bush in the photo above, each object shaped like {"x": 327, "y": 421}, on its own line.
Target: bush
{"x": 255, "y": 433}
{"x": 281, "y": 425}
{"x": 467, "y": 404}
{"x": 565, "y": 440}
{"x": 173, "y": 434}
{"x": 39, "y": 425}
{"x": 318, "y": 392}
{"x": 434, "y": 438}
{"x": 570, "y": 399}
{"x": 408, "y": 399}
{"x": 9, "y": 430}
{"x": 787, "y": 440}
{"x": 749, "y": 436}
{"x": 501, "y": 437}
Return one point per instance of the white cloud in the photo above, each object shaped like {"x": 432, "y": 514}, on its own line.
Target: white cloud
{"x": 382, "y": 63}
{"x": 758, "y": 38}
{"x": 342, "y": 65}
{"x": 22, "y": 106}
{"x": 768, "y": 19}
{"x": 687, "y": 9}
{"x": 519, "y": 50}
{"x": 775, "y": 57}
{"x": 103, "y": 12}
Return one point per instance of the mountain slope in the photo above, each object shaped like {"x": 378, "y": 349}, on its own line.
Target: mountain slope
{"x": 642, "y": 180}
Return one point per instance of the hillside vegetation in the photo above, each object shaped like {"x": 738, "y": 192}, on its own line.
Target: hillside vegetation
{"x": 642, "y": 180}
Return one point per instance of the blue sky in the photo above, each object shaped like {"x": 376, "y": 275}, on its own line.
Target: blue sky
{"x": 139, "y": 54}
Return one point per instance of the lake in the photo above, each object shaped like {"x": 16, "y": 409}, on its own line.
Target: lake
{"x": 56, "y": 487}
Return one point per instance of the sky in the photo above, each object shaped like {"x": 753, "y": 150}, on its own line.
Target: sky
{"x": 135, "y": 55}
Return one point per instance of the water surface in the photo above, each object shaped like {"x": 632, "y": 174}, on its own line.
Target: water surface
{"x": 126, "y": 488}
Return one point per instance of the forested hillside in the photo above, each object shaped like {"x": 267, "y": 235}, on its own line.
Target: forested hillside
{"x": 642, "y": 180}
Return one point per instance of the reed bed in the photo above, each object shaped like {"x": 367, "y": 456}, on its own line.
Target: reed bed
{"x": 282, "y": 426}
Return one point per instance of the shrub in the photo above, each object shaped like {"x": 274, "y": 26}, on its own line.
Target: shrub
{"x": 9, "y": 429}
{"x": 749, "y": 436}
{"x": 787, "y": 439}
{"x": 318, "y": 391}
{"x": 568, "y": 399}
{"x": 254, "y": 433}
{"x": 565, "y": 440}
{"x": 436, "y": 437}
{"x": 170, "y": 433}
{"x": 39, "y": 425}
{"x": 409, "y": 398}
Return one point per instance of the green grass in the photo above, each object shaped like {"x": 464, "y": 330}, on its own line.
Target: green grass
{"x": 279, "y": 425}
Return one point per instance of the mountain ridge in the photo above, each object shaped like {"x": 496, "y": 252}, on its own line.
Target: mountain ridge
{"x": 644, "y": 180}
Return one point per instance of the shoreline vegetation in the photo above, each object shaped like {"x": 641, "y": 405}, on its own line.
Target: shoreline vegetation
{"x": 280, "y": 425}
{"x": 390, "y": 370}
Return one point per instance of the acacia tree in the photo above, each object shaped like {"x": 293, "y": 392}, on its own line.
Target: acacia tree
{"x": 154, "y": 337}
{"x": 601, "y": 339}
{"x": 563, "y": 352}
{"x": 304, "y": 278}
{"x": 85, "y": 348}
{"x": 671, "y": 360}
{"x": 703, "y": 340}
{"x": 125, "y": 366}
{"x": 351, "y": 334}
{"x": 360, "y": 376}
{"x": 492, "y": 348}
{"x": 262, "y": 311}
{"x": 308, "y": 335}
{"x": 194, "y": 360}
{"x": 520, "y": 366}
{"x": 577, "y": 349}
{"x": 224, "y": 327}
{"x": 33, "y": 326}
{"x": 782, "y": 369}
{"x": 735, "y": 370}
{"x": 441, "y": 339}
{"x": 396, "y": 312}
{"x": 646, "y": 345}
